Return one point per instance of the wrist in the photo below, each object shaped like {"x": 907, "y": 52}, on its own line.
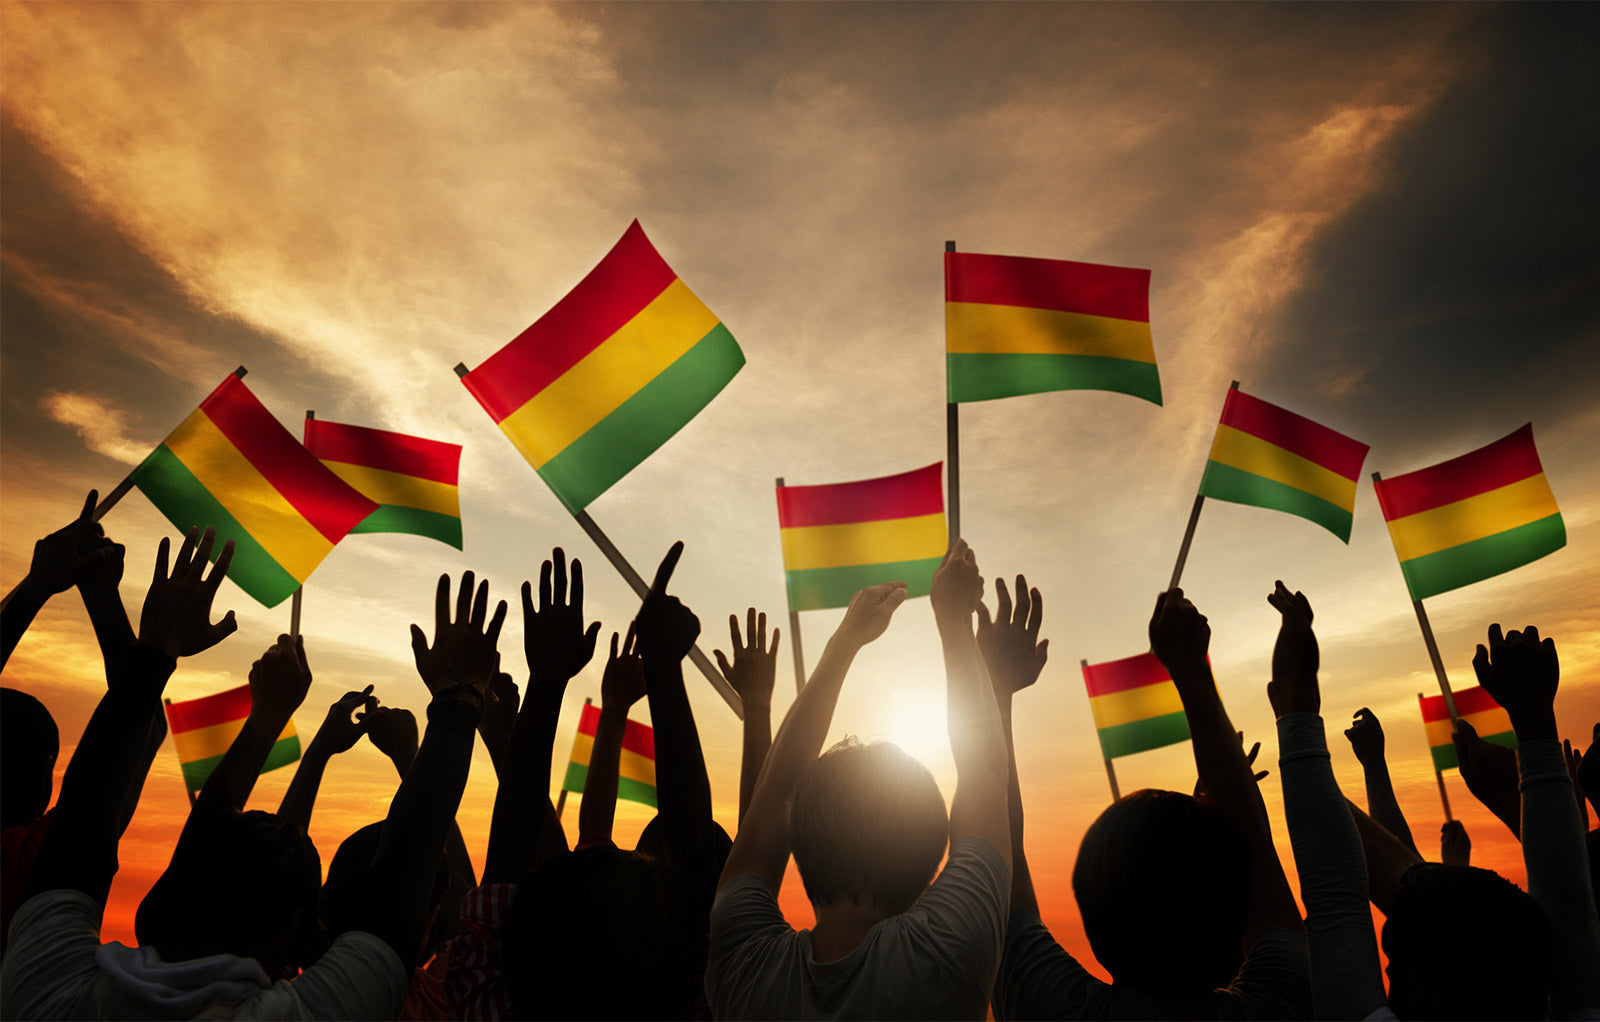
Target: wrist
{"x": 1531, "y": 724}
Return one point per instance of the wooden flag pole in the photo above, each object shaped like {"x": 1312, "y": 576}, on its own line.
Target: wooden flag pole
{"x": 1111, "y": 771}
{"x": 641, "y": 588}
{"x": 165, "y": 703}
{"x": 295, "y": 600}
{"x": 794, "y": 639}
{"x": 1433, "y": 654}
{"x": 952, "y": 443}
{"x": 1188, "y": 532}
{"x": 1444, "y": 797}
{"x": 561, "y": 802}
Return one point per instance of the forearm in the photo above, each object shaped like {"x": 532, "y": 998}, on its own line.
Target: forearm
{"x": 1553, "y": 850}
{"x": 302, "y": 794}
{"x": 524, "y": 821}
{"x": 683, "y": 790}
{"x": 1387, "y": 858}
{"x": 599, "y": 807}
{"x": 18, "y": 613}
{"x": 977, "y": 739}
{"x": 230, "y": 784}
{"x": 1382, "y": 804}
{"x": 109, "y": 617}
{"x": 1023, "y": 898}
{"x": 757, "y": 742}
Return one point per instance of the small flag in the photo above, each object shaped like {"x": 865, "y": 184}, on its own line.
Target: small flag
{"x": 232, "y": 466}
{"x": 203, "y": 728}
{"x": 1491, "y": 722}
{"x": 1135, "y": 705}
{"x": 1473, "y": 517}
{"x": 636, "y": 772}
{"x": 414, "y": 481}
{"x": 841, "y": 537}
{"x": 609, "y": 374}
{"x": 1270, "y": 457}
{"x": 1015, "y": 325}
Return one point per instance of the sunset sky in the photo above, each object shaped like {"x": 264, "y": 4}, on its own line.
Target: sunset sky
{"x": 1382, "y": 217}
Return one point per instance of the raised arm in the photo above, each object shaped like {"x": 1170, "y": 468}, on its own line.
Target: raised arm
{"x": 621, "y": 686}
{"x": 1490, "y": 772}
{"x": 338, "y": 732}
{"x": 279, "y": 681}
{"x": 752, "y": 674}
{"x": 60, "y": 561}
{"x": 1366, "y": 738}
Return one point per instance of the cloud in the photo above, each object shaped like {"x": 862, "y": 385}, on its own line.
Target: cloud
{"x": 103, "y": 426}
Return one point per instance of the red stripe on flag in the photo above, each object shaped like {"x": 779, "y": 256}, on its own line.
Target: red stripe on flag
{"x": 630, "y": 276}
{"x": 1468, "y": 700}
{"x": 209, "y": 711}
{"x": 331, "y": 506}
{"x": 1508, "y": 460}
{"x": 636, "y": 738}
{"x": 1294, "y": 433}
{"x": 907, "y": 495}
{"x": 433, "y": 460}
{"x": 1121, "y": 675}
{"x": 1120, "y": 292}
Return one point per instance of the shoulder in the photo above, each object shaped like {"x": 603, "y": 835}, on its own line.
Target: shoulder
{"x": 1274, "y": 981}
{"x": 750, "y": 942}
{"x": 50, "y": 959}
{"x": 360, "y": 976}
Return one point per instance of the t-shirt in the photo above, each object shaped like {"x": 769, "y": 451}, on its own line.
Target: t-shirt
{"x": 56, "y": 967}
{"x": 935, "y": 960}
{"x": 1038, "y": 979}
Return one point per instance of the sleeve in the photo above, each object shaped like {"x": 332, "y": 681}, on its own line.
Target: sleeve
{"x": 1554, "y": 852}
{"x": 1038, "y": 978}
{"x": 965, "y": 909}
{"x": 745, "y": 909}
{"x": 1275, "y": 979}
{"x": 476, "y": 985}
{"x": 1346, "y": 981}
{"x": 359, "y": 977}
{"x": 49, "y": 969}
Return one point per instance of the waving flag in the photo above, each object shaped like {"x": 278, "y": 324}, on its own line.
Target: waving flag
{"x": 636, "y": 771}
{"x": 609, "y": 374}
{"x": 232, "y": 466}
{"x": 1475, "y": 706}
{"x": 414, "y": 481}
{"x": 202, "y": 729}
{"x": 1270, "y": 457}
{"x": 841, "y": 537}
{"x": 1015, "y": 325}
{"x": 1472, "y": 517}
{"x": 1135, "y": 705}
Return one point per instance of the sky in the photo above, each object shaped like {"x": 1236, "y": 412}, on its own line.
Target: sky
{"x": 1382, "y": 217}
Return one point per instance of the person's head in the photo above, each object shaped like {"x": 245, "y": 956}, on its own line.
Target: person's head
{"x": 1465, "y": 943}
{"x": 650, "y": 844}
{"x": 239, "y": 883}
{"x": 342, "y": 893}
{"x": 868, "y": 826}
{"x": 601, "y": 933}
{"x": 29, "y": 744}
{"x": 1163, "y": 883}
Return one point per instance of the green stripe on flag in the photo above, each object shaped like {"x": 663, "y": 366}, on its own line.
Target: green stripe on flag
{"x": 983, "y": 377}
{"x": 627, "y": 787}
{"x": 614, "y": 445}
{"x": 1444, "y": 756}
{"x": 816, "y": 588}
{"x": 1453, "y": 567}
{"x": 1139, "y": 735}
{"x": 1224, "y": 482}
{"x": 414, "y": 520}
{"x": 284, "y": 751}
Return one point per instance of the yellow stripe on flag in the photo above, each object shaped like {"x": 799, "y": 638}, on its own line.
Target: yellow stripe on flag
{"x": 1252, "y": 454}
{"x": 1485, "y": 722}
{"x": 881, "y": 542}
{"x": 610, "y": 374}
{"x": 397, "y": 488}
{"x": 205, "y": 742}
{"x": 244, "y": 492}
{"x": 1133, "y": 704}
{"x": 1485, "y": 514}
{"x": 632, "y": 765}
{"x": 973, "y": 328}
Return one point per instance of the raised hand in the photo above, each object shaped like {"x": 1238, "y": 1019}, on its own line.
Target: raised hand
{"x": 1180, "y": 637}
{"x": 393, "y": 731}
{"x": 553, "y": 636}
{"x": 1366, "y": 736}
{"x": 1295, "y": 657}
{"x": 622, "y": 684}
{"x": 62, "y": 559}
{"x": 279, "y": 680}
{"x": 177, "y": 609}
{"x": 1455, "y": 847}
{"x": 754, "y": 669}
{"x": 463, "y": 652}
{"x": 666, "y": 628}
{"x": 342, "y": 728}
{"x": 1521, "y": 673}
{"x": 869, "y": 612}
{"x": 499, "y": 715}
{"x": 1490, "y": 771}
{"x": 1010, "y": 642}
{"x": 957, "y": 589}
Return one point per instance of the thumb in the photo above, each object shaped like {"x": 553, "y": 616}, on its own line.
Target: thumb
{"x": 984, "y": 621}
{"x": 722, "y": 664}
{"x": 419, "y": 644}
{"x": 226, "y": 627}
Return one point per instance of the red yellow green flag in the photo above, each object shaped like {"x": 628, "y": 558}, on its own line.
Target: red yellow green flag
{"x": 414, "y": 481}
{"x": 1270, "y": 457}
{"x": 609, "y": 374}
{"x": 841, "y": 537}
{"x": 1135, "y": 705}
{"x": 1472, "y": 517}
{"x": 636, "y": 771}
{"x": 202, "y": 729}
{"x": 1015, "y": 325}
{"x": 232, "y": 466}
{"x": 1491, "y": 722}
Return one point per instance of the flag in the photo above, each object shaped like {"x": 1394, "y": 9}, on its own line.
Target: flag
{"x": 1270, "y": 457}
{"x": 636, "y": 771}
{"x": 609, "y": 374}
{"x": 1015, "y": 325}
{"x": 1135, "y": 705}
{"x": 414, "y": 481}
{"x": 232, "y": 466}
{"x": 202, "y": 729}
{"x": 1476, "y": 708}
{"x": 841, "y": 537}
{"x": 1473, "y": 517}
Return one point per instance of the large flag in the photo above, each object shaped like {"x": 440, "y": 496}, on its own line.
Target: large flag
{"x": 414, "y": 481}
{"x": 203, "y": 728}
{"x": 636, "y": 772}
{"x": 1472, "y": 517}
{"x": 1270, "y": 457}
{"x": 841, "y": 537}
{"x": 232, "y": 466}
{"x": 1135, "y": 705}
{"x": 609, "y": 374}
{"x": 1015, "y": 325}
{"x": 1491, "y": 722}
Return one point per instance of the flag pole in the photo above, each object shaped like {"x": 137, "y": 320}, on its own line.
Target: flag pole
{"x": 1433, "y": 654}
{"x": 952, "y": 435}
{"x": 1188, "y": 532}
{"x": 1111, "y": 771}
{"x": 165, "y": 702}
{"x": 561, "y": 797}
{"x": 295, "y": 600}
{"x": 641, "y": 588}
{"x": 794, "y": 638}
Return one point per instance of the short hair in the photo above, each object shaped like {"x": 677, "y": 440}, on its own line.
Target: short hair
{"x": 1163, "y": 882}
{"x": 29, "y": 746}
{"x": 867, "y": 823}
{"x": 1467, "y": 943}
{"x": 340, "y": 901}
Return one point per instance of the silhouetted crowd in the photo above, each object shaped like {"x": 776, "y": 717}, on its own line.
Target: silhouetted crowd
{"x": 920, "y": 912}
